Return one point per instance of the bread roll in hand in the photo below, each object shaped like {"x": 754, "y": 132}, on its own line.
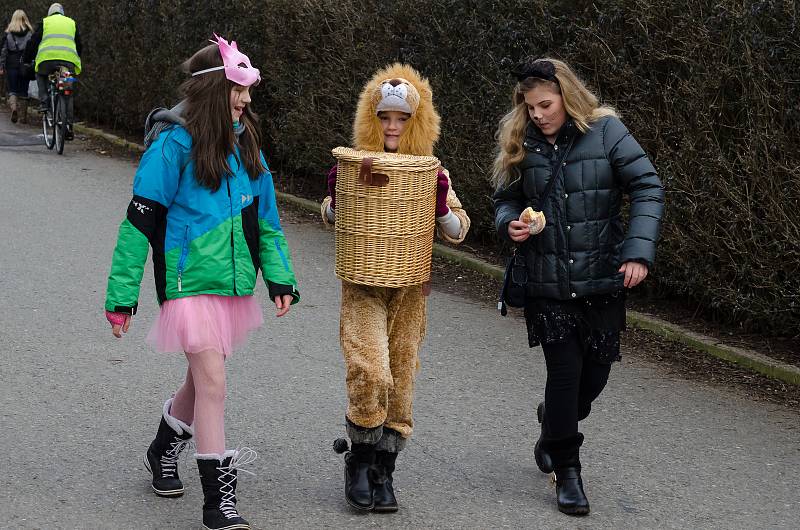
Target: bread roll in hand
{"x": 535, "y": 220}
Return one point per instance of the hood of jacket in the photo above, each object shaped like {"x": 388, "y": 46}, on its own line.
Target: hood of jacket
{"x": 161, "y": 118}
{"x": 422, "y": 129}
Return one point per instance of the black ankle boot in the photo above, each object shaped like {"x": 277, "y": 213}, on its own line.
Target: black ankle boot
{"x": 569, "y": 490}
{"x": 543, "y": 460}
{"x": 218, "y": 477}
{"x": 358, "y": 490}
{"x": 382, "y": 482}
{"x": 161, "y": 460}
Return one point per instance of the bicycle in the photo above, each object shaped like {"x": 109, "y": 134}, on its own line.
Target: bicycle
{"x": 55, "y": 125}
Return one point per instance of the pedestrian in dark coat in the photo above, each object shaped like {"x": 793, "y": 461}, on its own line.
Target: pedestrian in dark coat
{"x": 582, "y": 259}
{"x": 12, "y": 50}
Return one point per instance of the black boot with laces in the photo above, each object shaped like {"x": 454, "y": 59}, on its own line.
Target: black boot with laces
{"x": 161, "y": 460}
{"x": 218, "y": 477}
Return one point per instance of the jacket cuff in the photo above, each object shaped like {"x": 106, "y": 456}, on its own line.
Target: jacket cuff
{"x": 640, "y": 252}
{"x": 279, "y": 289}
{"x": 127, "y": 310}
{"x": 450, "y": 224}
{"x": 502, "y": 227}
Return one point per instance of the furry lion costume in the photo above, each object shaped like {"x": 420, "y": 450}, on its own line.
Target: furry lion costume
{"x": 381, "y": 328}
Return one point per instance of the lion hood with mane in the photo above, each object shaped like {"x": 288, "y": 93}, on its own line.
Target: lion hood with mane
{"x": 422, "y": 129}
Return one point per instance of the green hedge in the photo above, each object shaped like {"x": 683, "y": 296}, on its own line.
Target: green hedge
{"x": 711, "y": 91}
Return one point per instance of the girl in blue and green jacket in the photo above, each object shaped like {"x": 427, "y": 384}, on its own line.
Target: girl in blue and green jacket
{"x": 203, "y": 199}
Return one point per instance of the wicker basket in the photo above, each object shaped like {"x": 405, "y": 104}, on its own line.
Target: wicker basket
{"x": 385, "y": 217}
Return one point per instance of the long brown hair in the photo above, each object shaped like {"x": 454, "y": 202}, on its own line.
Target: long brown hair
{"x": 209, "y": 122}
{"x": 579, "y": 102}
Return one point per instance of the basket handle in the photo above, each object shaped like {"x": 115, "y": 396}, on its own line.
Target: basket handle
{"x": 367, "y": 177}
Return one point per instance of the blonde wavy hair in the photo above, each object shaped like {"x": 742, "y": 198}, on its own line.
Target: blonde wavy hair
{"x": 579, "y": 102}
{"x": 19, "y": 22}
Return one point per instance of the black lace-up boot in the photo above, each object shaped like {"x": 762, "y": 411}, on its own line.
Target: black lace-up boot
{"x": 161, "y": 458}
{"x": 218, "y": 475}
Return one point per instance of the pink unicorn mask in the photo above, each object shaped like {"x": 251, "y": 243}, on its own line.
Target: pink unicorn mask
{"x": 236, "y": 64}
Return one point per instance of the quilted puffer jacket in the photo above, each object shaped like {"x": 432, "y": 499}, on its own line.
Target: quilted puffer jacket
{"x": 584, "y": 241}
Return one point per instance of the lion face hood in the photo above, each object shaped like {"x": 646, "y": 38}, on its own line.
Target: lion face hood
{"x": 422, "y": 129}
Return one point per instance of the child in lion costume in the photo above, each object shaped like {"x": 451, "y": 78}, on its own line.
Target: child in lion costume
{"x": 381, "y": 328}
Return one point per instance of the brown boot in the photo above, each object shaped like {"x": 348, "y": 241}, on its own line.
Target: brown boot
{"x": 12, "y": 103}
{"x": 23, "y": 110}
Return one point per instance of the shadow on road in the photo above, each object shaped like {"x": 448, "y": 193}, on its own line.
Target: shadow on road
{"x": 20, "y": 138}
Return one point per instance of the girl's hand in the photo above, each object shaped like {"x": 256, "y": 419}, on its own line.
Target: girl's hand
{"x": 518, "y": 231}
{"x": 283, "y": 303}
{"x": 635, "y": 273}
{"x": 120, "y": 322}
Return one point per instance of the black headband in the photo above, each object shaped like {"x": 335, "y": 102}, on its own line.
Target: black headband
{"x": 538, "y": 69}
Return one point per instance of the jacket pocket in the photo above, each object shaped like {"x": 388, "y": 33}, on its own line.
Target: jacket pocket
{"x": 183, "y": 258}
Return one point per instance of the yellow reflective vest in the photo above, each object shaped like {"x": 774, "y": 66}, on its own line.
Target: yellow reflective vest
{"x": 58, "y": 42}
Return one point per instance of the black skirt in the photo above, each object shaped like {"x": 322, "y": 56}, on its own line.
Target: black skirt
{"x": 597, "y": 320}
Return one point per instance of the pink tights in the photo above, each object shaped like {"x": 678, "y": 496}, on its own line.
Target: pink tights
{"x": 200, "y": 402}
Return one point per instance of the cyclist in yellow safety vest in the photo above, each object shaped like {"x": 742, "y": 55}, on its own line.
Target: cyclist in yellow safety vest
{"x": 54, "y": 44}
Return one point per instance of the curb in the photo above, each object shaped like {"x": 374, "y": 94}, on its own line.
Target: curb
{"x": 745, "y": 358}
{"x": 673, "y": 332}
{"x": 111, "y": 138}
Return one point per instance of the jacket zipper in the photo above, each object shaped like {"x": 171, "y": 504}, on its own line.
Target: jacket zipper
{"x": 184, "y": 255}
{"x": 233, "y": 255}
{"x": 562, "y": 244}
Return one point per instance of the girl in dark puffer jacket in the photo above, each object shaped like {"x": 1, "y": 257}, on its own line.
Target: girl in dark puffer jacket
{"x": 12, "y": 48}
{"x": 581, "y": 261}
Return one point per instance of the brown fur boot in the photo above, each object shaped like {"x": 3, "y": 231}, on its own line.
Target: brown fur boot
{"x": 12, "y": 103}
{"x": 23, "y": 110}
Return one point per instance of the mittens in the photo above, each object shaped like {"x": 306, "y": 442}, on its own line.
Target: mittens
{"x": 442, "y": 186}
{"x": 115, "y": 319}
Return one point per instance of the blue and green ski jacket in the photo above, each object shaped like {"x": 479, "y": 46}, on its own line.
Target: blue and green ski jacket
{"x": 203, "y": 241}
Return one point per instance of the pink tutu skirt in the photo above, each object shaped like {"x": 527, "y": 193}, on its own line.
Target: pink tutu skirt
{"x": 205, "y": 322}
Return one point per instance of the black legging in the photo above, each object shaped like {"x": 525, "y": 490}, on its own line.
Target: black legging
{"x": 573, "y": 382}
{"x": 42, "y": 73}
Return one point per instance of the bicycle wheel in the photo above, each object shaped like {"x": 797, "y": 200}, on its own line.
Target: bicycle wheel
{"x": 60, "y": 123}
{"x": 48, "y": 125}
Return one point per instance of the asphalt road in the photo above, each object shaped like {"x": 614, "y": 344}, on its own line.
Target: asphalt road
{"x": 78, "y": 408}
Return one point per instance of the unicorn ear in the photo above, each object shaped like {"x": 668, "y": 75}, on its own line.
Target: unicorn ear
{"x": 234, "y": 46}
